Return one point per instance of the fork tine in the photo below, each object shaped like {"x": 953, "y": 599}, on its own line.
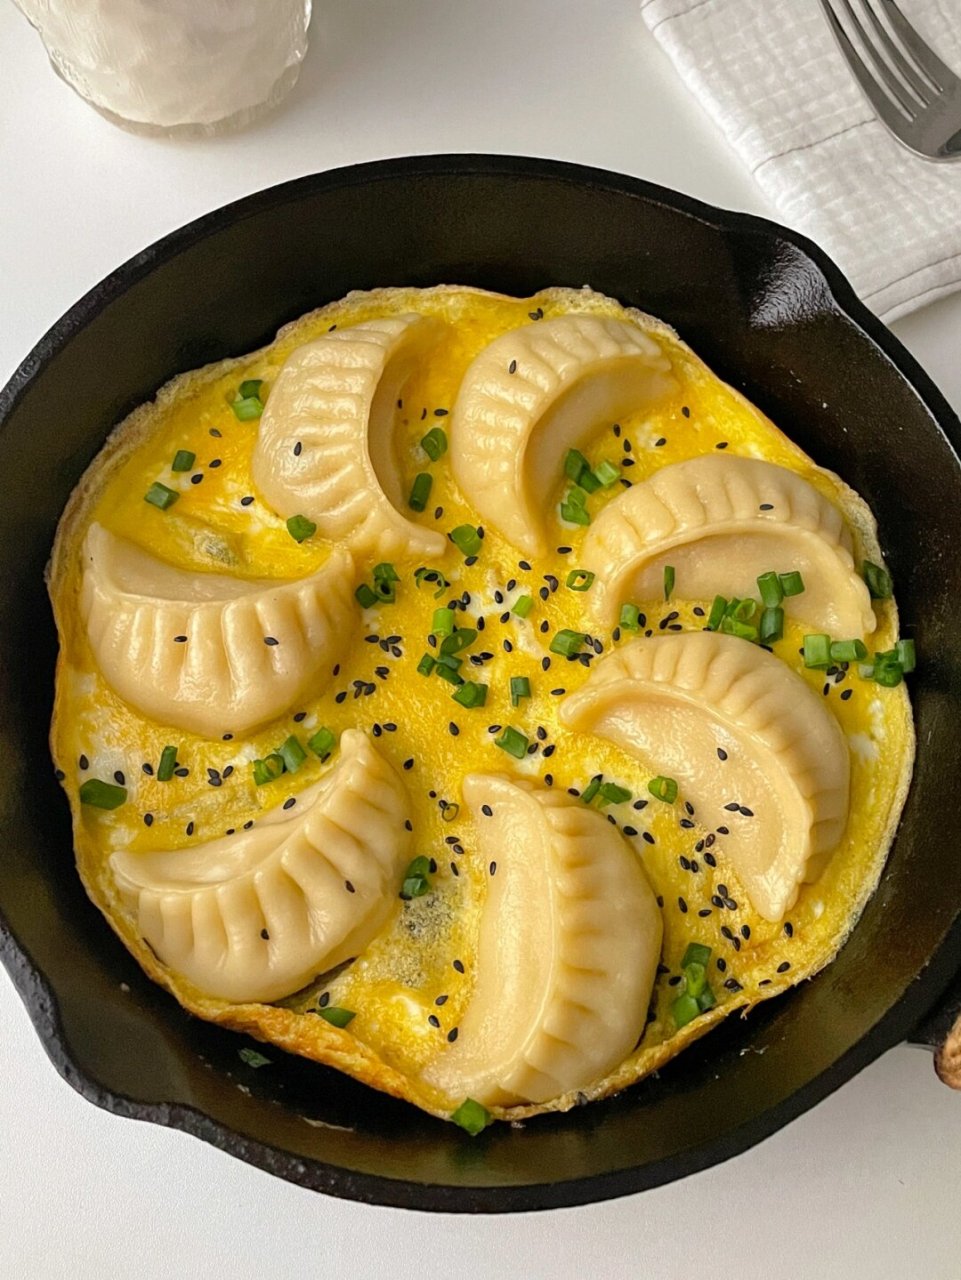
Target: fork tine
{"x": 924, "y": 90}
{"x": 884, "y": 73}
{"x": 928, "y": 61}
{"x": 878, "y": 99}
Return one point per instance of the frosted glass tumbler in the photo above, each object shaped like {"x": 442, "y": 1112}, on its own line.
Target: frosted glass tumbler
{"x": 180, "y": 67}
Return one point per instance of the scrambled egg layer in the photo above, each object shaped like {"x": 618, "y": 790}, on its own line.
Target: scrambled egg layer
{"x": 426, "y": 950}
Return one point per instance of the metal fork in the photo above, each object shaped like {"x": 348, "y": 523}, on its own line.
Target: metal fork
{"x": 910, "y": 88}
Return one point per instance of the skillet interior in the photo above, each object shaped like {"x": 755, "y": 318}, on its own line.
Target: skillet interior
{"x": 773, "y": 317}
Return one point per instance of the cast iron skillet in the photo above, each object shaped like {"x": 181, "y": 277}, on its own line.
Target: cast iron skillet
{"x": 774, "y": 317}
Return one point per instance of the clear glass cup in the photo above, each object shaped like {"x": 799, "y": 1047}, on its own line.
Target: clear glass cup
{"x": 188, "y": 68}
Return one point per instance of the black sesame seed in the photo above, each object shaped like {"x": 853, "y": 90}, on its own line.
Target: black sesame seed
{"x": 271, "y": 640}
{"x": 745, "y": 812}
{"x": 648, "y": 837}
{"x": 454, "y": 870}
{"x": 722, "y": 831}
{"x": 459, "y": 966}
{"x": 324, "y": 1000}
{"x": 190, "y": 828}
{"x": 721, "y": 753}
{"x": 717, "y": 900}
{"x": 245, "y": 502}
{"x": 118, "y": 777}
{"x": 248, "y": 824}
{"x": 433, "y": 1020}
{"x": 730, "y": 904}
{"x": 196, "y": 479}
{"x": 545, "y": 664}
{"x": 846, "y": 694}
{"x": 784, "y": 966}
{"x": 660, "y": 442}
{"x": 265, "y": 935}
{"x": 674, "y": 981}
{"x": 704, "y": 912}
{"x": 493, "y": 868}
{"x": 340, "y": 697}
{"x": 215, "y": 433}
{"x": 732, "y": 807}
{"x": 745, "y": 931}
{"x": 440, "y": 413}
{"x": 452, "y": 1035}
{"x": 630, "y": 831}
{"x": 289, "y": 802}
{"x": 147, "y": 767}
{"x": 180, "y": 639}
{"x": 732, "y": 984}
{"x": 722, "y": 445}
{"x": 765, "y": 982}
{"x": 682, "y": 906}
{"x": 148, "y": 819}
{"x": 721, "y": 965}
{"x": 349, "y": 887}
{"x": 766, "y": 506}
{"x": 487, "y": 811}
{"x": 639, "y": 804}
{"x": 441, "y": 1000}
{"x": 298, "y": 449}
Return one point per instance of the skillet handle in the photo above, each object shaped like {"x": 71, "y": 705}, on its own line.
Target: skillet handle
{"x": 940, "y": 1030}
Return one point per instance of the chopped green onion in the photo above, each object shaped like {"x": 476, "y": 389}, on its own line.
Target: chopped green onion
{"x": 449, "y": 674}
{"x": 434, "y": 443}
{"x": 772, "y": 592}
{"x": 183, "y": 460}
{"x": 322, "y": 743}
{"x": 696, "y": 953}
{"x": 695, "y": 977}
{"x": 575, "y": 464}
{"x": 365, "y": 597}
{"x": 706, "y": 1000}
{"x": 742, "y": 610}
{"x": 580, "y": 579}
{"x": 246, "y": 408}
{"x": 416, "y": 882}
{"x": 866, "y": 670}
{"x": 466, "y": 538}
{"x": 817, "y": 651}
{"x": 385, "y": 589}
{"x": 513, "y": 742}
{"x": 743, "y": 630}
{"x": 432, "y": 575}
{"x": 684, "y": 1009}
{"x": 606, "y": 473}
{"x": 663, "y": 789}
{"x": 448, "y": 660}
{"x": 771, "y": 626}
{"x": 458, "y": 639}
{"x": 848, "y": 651}
{"x": 300, "y": 528}
{"x": 878, "y": 580}
{"x": 250, "y": 387}
{"x": 292, "y": 754}
{"x": 589, "y": 482}
{"x": 443, "y": 622}
{"x": 471, "y": 1116}
{"x": 887, "y": 669}
{"x": 522, "y": 606}
{"x": 420, "y": 491}
{"x": 520, "y": 688}
{"x": 426, "y": 665}
{"x": 252, "y": 1058}
{"x": 591, "y": 790}
{"x": 471, "y": 694}
{"x": 718, "y": 609}
{"x": 385, "y": 572}
{"x": 907, "y": 655}
{"x": 168, "y": 762}
{"x": 573, "y": 509}
{"x": 158, "y": 495}
{"x": 102, "y": 795}
{"x": 668, "y": 581}
{"x": 630, "y": 619}
{"x": 268, "y": 769}
{"x": 611, "y": 793}
{"x": 567, "y": 642}
{"x": 792, "y": 584}
{"x": 336, "y": 1016}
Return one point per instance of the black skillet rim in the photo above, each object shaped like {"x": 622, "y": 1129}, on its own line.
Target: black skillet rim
{"x": 914, "y": 1004}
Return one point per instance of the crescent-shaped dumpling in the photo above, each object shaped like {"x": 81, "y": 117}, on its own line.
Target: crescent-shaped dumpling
{"x": 257, "y": 915}
{"x": 570, "y": 938}
{"x": 326, "y": 448}
{"x": 204, "y": 651}
{"x": 536, "y": 392}
{"x": 751, "y": 746}
{"x": 720, "y": 521}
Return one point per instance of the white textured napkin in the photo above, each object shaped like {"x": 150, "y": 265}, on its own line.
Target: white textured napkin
{"x": 770, "y": 75}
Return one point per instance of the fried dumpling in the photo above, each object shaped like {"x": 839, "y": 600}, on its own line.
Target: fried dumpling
{"x": 326, "y": 448}
{"x": 256, "y": 915}
{"x": 570, "y": 939}
{"x": 534, "y": 393}
{"x": 205, "y": 651}
{"x": 751, "y": 746}
{"x": 720, "y": 521}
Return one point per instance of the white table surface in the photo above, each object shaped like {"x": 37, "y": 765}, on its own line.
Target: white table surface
{"x": 864, "y": 1184}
